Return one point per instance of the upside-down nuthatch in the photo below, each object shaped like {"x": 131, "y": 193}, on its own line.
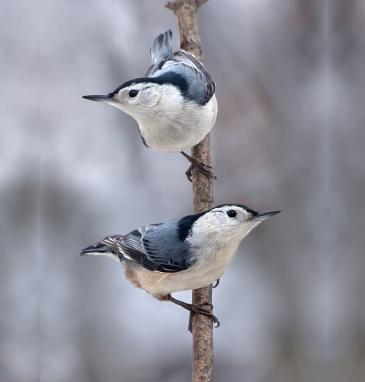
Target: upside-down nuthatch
{"x": 181, "y": 254}
{"x": 174, "y": 105}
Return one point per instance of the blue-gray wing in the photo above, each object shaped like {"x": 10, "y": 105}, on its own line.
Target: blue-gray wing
{"x": 200, "y": 86}
{"x": 156, "y": 247}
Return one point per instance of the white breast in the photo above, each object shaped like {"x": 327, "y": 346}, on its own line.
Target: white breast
{"x": 176, "y": 124}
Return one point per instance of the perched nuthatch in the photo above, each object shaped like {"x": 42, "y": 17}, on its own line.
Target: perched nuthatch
{"x": 174, "y": 105}
{"x": 181, "y": 254}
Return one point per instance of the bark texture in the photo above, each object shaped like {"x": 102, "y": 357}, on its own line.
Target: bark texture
{"x": 202, "y": 326}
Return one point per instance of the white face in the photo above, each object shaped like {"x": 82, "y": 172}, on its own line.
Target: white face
{"x": 226, "y": 223}
{"x": 137, "y": 98}
{"x": 231, "y": 218}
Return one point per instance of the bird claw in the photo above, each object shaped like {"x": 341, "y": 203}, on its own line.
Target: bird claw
{"x": 199, "y": 309}
{"x": 194, "y": 309}
{"x": 202, "y": 167}
{"x": 216, "y": 283}
{"x": 209, "y": 313}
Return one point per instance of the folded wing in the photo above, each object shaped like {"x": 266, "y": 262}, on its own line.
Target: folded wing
{"x": 201, "y": 87}
{"x": 156, "y": 247}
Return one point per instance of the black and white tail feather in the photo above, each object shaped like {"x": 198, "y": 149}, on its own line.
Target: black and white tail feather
{"x": 109, "y": 246}
{"x": 162, "y": 48}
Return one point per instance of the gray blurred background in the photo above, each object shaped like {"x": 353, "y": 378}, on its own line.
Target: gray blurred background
{"x": 290, "y": 80}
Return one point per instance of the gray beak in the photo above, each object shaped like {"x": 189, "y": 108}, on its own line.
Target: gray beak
{"x": 261, "y": 216}
{"x": 98, "y": 98}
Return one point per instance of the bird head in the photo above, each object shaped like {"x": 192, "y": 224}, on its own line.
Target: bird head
{"x": 133, "y": 97}
{"x": 147, "y": 98}
{"x": 228, "y": 222}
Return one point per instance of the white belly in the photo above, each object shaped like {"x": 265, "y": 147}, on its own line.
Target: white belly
{"x": 201, "y": 274}
{"x": 178, "y": 131}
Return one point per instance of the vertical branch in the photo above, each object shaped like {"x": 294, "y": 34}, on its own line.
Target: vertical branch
{"x": 202, "y": 326}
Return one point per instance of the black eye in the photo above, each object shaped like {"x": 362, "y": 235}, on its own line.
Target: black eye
{"x": 132, "y": 93}
{"x": 231, "y": 213}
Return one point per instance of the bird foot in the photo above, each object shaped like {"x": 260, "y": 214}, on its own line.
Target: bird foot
{"x": 200, "y": 309}
{"x": 194, "y": 309}
{"x": 202, "y": 167}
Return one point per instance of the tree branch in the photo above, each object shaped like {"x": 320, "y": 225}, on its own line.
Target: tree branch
{"x": 202, "y": 326}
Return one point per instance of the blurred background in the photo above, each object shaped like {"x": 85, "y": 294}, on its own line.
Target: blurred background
{"x": 290, "y": 135}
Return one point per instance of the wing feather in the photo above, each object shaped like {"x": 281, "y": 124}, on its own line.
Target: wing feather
{"x": 156, "y": 247}
{"x": 201, "y": 87}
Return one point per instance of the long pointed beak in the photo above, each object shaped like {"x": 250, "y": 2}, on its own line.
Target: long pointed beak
{"x": 98, "y": 98}
{"x": 261, "y": 216}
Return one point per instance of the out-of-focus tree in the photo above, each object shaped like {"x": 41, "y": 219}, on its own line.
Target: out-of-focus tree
{"x": 290, "y": 85}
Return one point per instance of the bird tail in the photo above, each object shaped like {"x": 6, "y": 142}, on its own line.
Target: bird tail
{"x": 104, "y": 247}
{"x": 161, "y": 48}
{"x": 98, "y": 248}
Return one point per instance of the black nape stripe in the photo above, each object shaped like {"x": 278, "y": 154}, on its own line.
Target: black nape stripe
{"x": 167, "y": 78}
{"x": 184, "y": 225}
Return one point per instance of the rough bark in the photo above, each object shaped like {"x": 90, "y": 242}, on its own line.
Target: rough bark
{"x": 202, "y": 326}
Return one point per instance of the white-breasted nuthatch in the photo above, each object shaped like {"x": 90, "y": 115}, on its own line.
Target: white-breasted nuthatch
{"x": 181, "y": 254}
{"x": 174, "y": 105}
